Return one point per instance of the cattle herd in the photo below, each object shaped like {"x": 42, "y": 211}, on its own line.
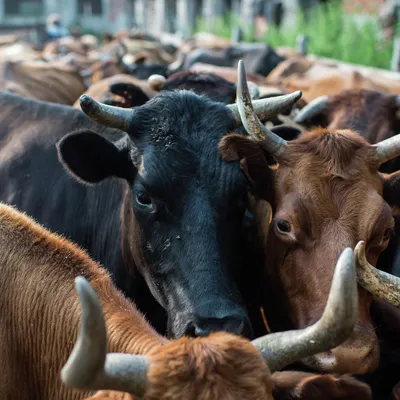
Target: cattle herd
{"x": 173, "y": 226}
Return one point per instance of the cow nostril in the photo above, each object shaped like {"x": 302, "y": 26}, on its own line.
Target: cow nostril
{"x": 232, "y": 325}
{"x": 190, "y": 331}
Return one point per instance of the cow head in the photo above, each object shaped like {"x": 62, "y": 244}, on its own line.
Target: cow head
{"x": 218, "y": 366}
{"x": 183, "y": 206}
{"x": 328, "y": 195}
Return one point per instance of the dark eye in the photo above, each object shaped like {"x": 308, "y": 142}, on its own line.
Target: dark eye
{"x": 387, "y": 235}
{"x": 143, "y": 199}
{"x": 283, "y": 226}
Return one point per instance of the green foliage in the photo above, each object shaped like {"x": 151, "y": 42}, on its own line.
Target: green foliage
{"x": 332, "y": 33}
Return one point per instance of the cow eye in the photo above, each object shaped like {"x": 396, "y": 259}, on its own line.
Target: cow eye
{"x": 387, "y": 235}
{"x": 283, "y": 226}
{"x": 143, "y": 199}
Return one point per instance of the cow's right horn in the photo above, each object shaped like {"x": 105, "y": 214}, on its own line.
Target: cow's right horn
{"x": 335, "y": 326}
{"x": 114, "y": 117}
{"x": 89, "y": 367}
{"x": 379, "y": 283}
{"x": 249, "y": 114}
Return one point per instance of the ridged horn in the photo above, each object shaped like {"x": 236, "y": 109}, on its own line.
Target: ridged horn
{"x": 114, "y": 117}
{"x": 89, "y": 367}
{"x": 379, "y": 283}
{"x": 250, "y": 113}
{"x": 335, "y": 326}
{"x": 263, "y": 108}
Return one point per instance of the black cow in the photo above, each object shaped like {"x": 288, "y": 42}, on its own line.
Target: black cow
{"x": 259, "y": 58}
{"x": 174, "y": 214}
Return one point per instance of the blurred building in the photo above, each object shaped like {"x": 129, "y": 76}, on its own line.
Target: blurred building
{"x": 159, "y": 15}
{"x": 97, "y": 15}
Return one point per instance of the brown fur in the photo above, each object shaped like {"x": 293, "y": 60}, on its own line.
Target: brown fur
{"x": 40, "y": 317}
{"x": 51, "y": 82}
{"x": 329, "y": 190}
{"x": 331, "y": 84}
{"x": 374, "y": 115}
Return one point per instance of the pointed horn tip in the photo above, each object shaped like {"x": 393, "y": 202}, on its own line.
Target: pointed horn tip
{"x": 346, "y": 262}
{"x": 156, "y": 78}
{"x": 297, "y": 94}
{"x": 359, "y": 254}
{"x": 241, "y": 72}
{"x": 86, "y": 101}
{"x": 359, "y": 249}
{"x": 83, "y": 287}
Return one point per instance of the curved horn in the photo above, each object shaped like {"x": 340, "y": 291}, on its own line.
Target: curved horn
{"x": 379, "y": 283}
{"x": 312, "y": 109}
{"x": 263, "y": 108}
{"x": 249, "y": 117}
{"x": 89, "y": 367}
{"x": 103, "y": 114}
{"x": 388, "y": 149}
{"x": 335, "y": 326}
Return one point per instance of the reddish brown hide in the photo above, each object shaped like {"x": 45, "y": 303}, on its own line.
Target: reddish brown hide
{"x": 327, "y": 195}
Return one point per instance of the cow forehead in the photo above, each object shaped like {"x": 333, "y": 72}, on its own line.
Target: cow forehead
{"x": 180, "y": 167}
{"x": 334, "y": 178}
{"x": 347, "y": 209}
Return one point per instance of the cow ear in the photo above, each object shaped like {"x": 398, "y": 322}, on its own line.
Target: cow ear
{"x": 254, "y": 162}
{"x": 391, "y": 191}
{"x": 133, "y": 95}
{"x": 91, "y": 158}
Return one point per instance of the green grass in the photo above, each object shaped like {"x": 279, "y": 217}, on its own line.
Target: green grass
{"x": 331, "y": 32}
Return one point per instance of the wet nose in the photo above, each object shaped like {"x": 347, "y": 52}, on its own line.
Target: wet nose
{"x": 205, "y": 326}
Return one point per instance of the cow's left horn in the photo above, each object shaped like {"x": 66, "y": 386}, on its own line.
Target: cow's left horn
{"x": 89, "y": 367}
{"x": 249, "y": 113}
{"x": 114, "y": 117}
{"x": 335, "y": 326}
{"x": 379, "y": 283}
{"x": 388, "y": 149}
{"x": 312, "y": 109}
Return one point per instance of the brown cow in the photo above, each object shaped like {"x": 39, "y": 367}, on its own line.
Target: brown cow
{"x": 52, "y": 82}
{"x": 135, "y": 92}
{"x": 327, "y": 195}
{"x": 333, "y": 83}
{"x": 40, "y": 316}
{"x": 376, "y": 117}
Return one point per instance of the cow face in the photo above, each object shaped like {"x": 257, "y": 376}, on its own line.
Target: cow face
{"x": 183, "y": 206}
{"x": 328, "y": 195}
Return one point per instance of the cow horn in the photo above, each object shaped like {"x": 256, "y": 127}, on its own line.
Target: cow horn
{"x": 335, "y": 326}
{"x": 388, "y": 149}
{"x": 254, "y": 90}
{"x": 89, "y": 367}
{"x": 379, "y": 283}
{"x": 115, "y": 117}
{"x": 249, "y": 113}
{"x": 156, "y": 81}
{"x": 312, "y": 109}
